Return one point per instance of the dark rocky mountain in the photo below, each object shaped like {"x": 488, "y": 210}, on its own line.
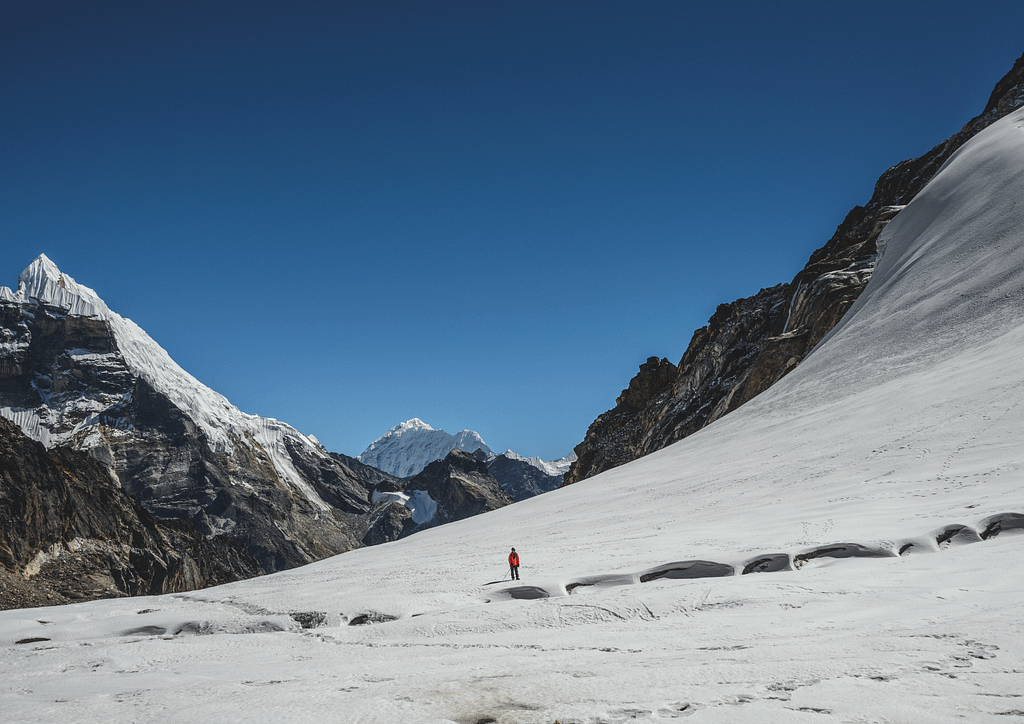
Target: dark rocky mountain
{"x": 520, "y": 477}
{"x": 750, "y": 344}
{"x": 460, "y": 485}
{"x": 95, "y": 382}
{"x": 71, "y": 534}
{"x": 457, "y": 487}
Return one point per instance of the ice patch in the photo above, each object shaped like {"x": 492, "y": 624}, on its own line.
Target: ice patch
{"x": 423, "y": 507}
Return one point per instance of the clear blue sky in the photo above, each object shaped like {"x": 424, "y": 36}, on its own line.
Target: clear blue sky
{"x": 482, "y": 214}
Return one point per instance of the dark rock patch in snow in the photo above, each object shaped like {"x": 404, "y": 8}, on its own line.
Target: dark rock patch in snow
{"x": 688, "y": 569}
{"x": 606, "y": 581}
{"x": 528, "y": 592}
{"x": 145, "y": 631}
{"x": 916, "y": 546}
{"x": 309, "y": 619}
{"x": 373, "y": 617}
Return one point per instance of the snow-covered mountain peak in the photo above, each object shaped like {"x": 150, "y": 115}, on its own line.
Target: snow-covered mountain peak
{"x": 410, "y": 446}
{"x": 42, "y": 280}
{"x": 224, "y": 424}
{"x": 549, "y": 467}
{"x": 409, "y": 425}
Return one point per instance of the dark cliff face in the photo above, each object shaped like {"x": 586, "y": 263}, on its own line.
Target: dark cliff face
{"x": 752, "y": 343}
{"x": 71, "y": 534}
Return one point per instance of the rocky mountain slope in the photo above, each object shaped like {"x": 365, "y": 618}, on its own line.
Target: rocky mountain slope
{"x": 457, "y": 487}
{"x": 523, "y": 478}
{"x": 71, "y": 534}
{"x": 752, "y": 343}
{"x": 74, "y": 374}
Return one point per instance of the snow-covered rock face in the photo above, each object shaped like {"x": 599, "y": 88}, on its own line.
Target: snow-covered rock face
{"x": 408, "y": 447}
{"x": 42, "y": 280}
{"x": 74, "y": 373}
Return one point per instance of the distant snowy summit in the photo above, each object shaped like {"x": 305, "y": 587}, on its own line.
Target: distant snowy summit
{"x": 409, "y": 447}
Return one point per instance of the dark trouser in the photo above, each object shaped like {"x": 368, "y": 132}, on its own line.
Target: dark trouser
{"x": 515, "y": 572}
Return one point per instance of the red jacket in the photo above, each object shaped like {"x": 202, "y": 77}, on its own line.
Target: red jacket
{"x": 513, "y": 559}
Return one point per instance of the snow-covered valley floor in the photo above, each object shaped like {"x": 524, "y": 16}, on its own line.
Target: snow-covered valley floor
{"x": 922, "y": 638}
{"x": 907, "y": 422}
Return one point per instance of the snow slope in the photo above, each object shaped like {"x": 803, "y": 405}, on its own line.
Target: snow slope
{"x": 902, "y": 432}
{"x": 223, "y": 423}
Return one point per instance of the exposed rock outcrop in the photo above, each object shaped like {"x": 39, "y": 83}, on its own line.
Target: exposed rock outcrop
{"x": 389, "y": 521}
{"x": 460, "y": 485}
{"x": 71, "y": 534}
{"x": 752, "y": 343}
{"x": 520, "y": 477}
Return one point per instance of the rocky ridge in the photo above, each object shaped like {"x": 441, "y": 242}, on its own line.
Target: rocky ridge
{"x": 750, "y": 344}
{"x": 523, "y": 478}
{"x": 456, "y": 487}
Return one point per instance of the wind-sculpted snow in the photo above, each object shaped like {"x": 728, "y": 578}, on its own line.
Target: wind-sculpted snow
{"x": 955, "y": 534}
{"x": 234, "y": 616}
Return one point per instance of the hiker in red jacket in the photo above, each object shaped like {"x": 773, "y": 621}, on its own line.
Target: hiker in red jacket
{"x": 513, "y": 564}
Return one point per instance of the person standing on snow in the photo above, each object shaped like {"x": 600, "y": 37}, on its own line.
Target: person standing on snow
{"x": 513, "y": 564}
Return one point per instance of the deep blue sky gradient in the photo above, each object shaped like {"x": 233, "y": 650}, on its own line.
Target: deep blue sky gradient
{"x": 483, "y": 214}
